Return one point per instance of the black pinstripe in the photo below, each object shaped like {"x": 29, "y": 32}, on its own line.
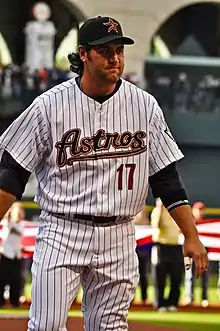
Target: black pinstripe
{"x": 133, "y": 130}
{"x": 109, "y": 166}
{"x": 123, "y": 277}
{"x": 100, "y": 291}
{"x": 83, "y": 125}
{"x": 110, "y": 292}
{"x": 40, "y": 289}
{"x": 127, "y": 128}
{"x": 118, "y": 107}
{"x": 74, "y": 99}
{"x": 67, "y": 113}
{"x": 48, "y": 294}
{"x": 76, "y": 119}
{"x": 91, "y": 128}
{"x": 45, "y": 203}
{"x": 143, "y": 189}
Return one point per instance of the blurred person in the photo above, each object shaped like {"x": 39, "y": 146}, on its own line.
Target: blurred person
{"x": 218, "y": 282}
{"x": 198, "y": 210}
{"x": 143, "y": 254}
{"x": 18, "y": 215}
{"x": 10, "y": 263}
{"x": 42, "y": 79}
{"x": 6, "y": 87}
{"x": 167, "y": 258}
{"x": 182, "y": 92}
{"x": 15, "y": 80}
{"x": 30, "y": 85}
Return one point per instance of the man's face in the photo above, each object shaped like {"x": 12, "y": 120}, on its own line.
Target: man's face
{"x": 105, "y": 62}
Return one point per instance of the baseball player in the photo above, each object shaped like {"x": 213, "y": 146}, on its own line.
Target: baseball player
{"x": 93, "y": 142}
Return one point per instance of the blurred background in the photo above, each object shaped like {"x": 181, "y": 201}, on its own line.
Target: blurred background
{"x": 176, "y": 58}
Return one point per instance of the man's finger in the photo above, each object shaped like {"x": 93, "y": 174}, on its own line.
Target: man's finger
{"x": 198, "y": 265}
{"x": 205, "y": 262}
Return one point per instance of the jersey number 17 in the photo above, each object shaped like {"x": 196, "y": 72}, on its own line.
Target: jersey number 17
{"x": 121, "y": 171}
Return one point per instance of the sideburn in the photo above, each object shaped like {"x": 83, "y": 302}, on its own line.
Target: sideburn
{"x": 89, "y": 56}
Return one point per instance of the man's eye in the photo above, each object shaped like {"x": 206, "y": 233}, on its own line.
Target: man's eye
{"x": 121, "y": 50}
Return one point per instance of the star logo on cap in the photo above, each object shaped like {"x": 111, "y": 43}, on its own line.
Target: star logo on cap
{"x": 112, "y": 25}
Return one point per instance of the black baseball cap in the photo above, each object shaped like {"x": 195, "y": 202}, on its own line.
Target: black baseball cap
{"x": 102, "y": 30}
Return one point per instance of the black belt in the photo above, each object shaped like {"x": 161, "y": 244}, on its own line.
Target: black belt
{"x": 90, "y": 218}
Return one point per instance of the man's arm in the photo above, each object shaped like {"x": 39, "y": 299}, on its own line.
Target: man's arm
{"x": 167, "y": 185}
{"x": 184, "y": 219}
{"x": 13, "y": 179}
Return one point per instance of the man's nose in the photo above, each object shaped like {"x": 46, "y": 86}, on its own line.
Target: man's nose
{"x": 114, "y": 58}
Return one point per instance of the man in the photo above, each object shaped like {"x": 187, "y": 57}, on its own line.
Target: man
{"x": 167, "y": 258}
{"x": 198, "y": 211}
{"x": 93, "y": 141}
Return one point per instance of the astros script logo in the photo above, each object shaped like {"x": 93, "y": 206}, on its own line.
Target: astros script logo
{"x": 72, "y": 147}
{"x": 112, "y": 25}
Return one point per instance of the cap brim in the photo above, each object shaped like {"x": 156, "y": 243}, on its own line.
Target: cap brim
{"x": 111, "y": 38}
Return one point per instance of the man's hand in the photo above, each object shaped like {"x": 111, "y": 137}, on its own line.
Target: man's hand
{"x": 193, "y": 248}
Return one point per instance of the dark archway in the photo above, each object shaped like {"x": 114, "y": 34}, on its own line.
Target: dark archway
{"x": 192, "y": 30}
{"x": 15, "y": 14}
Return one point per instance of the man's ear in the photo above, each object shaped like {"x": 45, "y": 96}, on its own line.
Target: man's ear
{"x": 82, "y": 52}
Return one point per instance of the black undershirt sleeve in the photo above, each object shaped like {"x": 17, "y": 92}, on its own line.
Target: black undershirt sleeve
{"x": 166, "y": 185}
{"x": 13, "y": 177}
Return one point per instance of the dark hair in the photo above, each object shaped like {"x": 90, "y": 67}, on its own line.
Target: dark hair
{"x": 76, "y": 64}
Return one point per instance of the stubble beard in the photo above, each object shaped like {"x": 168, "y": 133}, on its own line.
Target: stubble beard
{"x": 108, "y": 78}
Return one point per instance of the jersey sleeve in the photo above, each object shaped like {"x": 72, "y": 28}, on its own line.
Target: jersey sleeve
{"x": 163, "y": 147}
{"x": 26, "y": 138}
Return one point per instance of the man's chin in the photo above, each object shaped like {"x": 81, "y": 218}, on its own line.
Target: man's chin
{"x": 113, "y": 78}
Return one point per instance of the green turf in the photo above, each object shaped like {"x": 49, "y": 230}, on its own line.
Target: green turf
{"x": 212, "y": 293}
{"x": 186, "y": 321}
{"x": 213, "y": 298}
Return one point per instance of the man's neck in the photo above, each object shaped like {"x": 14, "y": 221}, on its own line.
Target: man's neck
{"x": 94, "y": 90}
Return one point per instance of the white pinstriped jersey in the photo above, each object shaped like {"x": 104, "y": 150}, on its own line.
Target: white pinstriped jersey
{"x": 91, "y": 158}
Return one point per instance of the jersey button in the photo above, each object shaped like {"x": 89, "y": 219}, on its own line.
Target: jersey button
{"x": 102, "y": 191}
